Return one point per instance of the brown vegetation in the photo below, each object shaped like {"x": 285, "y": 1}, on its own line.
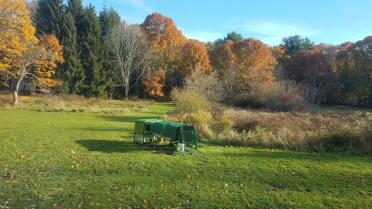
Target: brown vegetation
{"x": 336, "y": 132}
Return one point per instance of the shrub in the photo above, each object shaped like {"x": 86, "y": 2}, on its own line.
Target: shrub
{"x": 5, "y": 100}
{"x": 278, "y": 96}
{"x": 189, "y": 101}
{"x": 287, "y": 97}
{"x": 194, "y": 108}
{"x": 221, "y": 124}
{"x": 51, "y": 104}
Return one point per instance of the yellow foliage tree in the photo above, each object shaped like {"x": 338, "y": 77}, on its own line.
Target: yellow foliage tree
{"x": 16, "y": 32}
{"x": 21, "y": 53}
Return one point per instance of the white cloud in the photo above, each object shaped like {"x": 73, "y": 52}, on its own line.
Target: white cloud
{"x": 140, "y": 4}
{"x": 138, "y": 10}
{"x": 203, "y": 35}
{"x": 273, "y": 32}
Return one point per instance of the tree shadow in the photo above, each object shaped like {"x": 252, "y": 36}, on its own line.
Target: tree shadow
{"x": 111, "y": 146}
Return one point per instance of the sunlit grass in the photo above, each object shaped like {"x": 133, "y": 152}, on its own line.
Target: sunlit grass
{"x": 87, "y": 160}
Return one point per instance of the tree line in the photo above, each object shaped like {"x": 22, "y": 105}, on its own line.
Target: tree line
{"x": 101, "y": 55}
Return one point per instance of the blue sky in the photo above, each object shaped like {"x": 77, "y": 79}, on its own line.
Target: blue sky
{"x": 324, "y": 21}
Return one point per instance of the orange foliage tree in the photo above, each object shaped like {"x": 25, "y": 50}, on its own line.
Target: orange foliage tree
{"x": 20, "y": 50}
{"x": 194, "y": 59}
{"x": 154, "y": 83}
{"x": 280, "y": 54}
{"x": 166, "y": 41}
{"x": 44, "y": 68}
{"x": 252, "y": 59}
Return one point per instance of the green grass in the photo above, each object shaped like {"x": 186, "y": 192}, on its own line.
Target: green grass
{"x": 87, "y": 160}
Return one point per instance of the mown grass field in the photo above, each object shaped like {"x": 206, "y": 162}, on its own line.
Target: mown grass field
{"x": 87, "y": 160}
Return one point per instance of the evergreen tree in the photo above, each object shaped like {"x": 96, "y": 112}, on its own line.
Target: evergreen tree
{"x": 108, "y": 19}
{"x": 76, "y": 9}
{"x": 48, "y": 17}
{"x": 72, "y": 71}
{"x": 296, "y": 43}
{"x": 91, "y": 53}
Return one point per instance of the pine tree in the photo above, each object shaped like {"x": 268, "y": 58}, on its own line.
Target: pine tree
{"x": 91, "y": 53}
{"x": 108, "y": 19}
{"x": 72, "y": 70}
{"x": 76, "y": 9}
{"x": 48, "y": 17}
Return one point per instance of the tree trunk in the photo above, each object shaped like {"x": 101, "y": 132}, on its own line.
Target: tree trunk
{"x": 126, "y": 88}
{"x": 16, "y": 88}
{"x": 126, "y": 91}
{"x": 15, "y": 97}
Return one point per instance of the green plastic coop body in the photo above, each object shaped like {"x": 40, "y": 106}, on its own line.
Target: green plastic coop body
{"x": 147, "y": 129}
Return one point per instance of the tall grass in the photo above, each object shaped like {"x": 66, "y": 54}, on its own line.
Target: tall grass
{"x": 72, "y": 103}
{"x": 340, "y": 132}
{"x": 331, "y": 132}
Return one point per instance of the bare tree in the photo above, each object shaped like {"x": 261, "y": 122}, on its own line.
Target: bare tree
{"x": 130, "y": 49}
{"x": 207, "y": 85}
{"x": 230, "y": 83}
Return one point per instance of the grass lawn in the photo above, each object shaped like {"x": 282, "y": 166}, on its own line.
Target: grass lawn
{"x": 87, "y": 160}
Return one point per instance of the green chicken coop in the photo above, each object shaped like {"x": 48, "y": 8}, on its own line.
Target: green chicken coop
{"x": 148, "y": 130}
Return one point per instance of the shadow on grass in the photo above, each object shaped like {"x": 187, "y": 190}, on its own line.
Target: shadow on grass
{"x": 108, "y": 146}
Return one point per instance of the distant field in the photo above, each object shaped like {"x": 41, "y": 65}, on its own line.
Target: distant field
{"x": 339, "y": 108}
{"x": 87, "y": 160}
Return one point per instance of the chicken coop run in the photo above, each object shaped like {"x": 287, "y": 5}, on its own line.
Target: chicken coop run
{"x": 149, "y": 131}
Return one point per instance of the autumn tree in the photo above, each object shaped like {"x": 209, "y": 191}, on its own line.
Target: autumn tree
{"x": 154, "y": 83}
{"x": 253, "y": 60}
{"x": 313, "y": 68}
{"x": 130, "y": 50}
{"x": 222, "y": 58}
{"x": 166, "y": 41}
{"x": 43, "y": 69}
{"x": 16, "y": 39}
{"x": 194, "y": 59}
{"x": 279, "y": 52}
{"x": 354, "y": 70}
{"x": 16, "y": 32}
{"x": 21, "y": 54}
